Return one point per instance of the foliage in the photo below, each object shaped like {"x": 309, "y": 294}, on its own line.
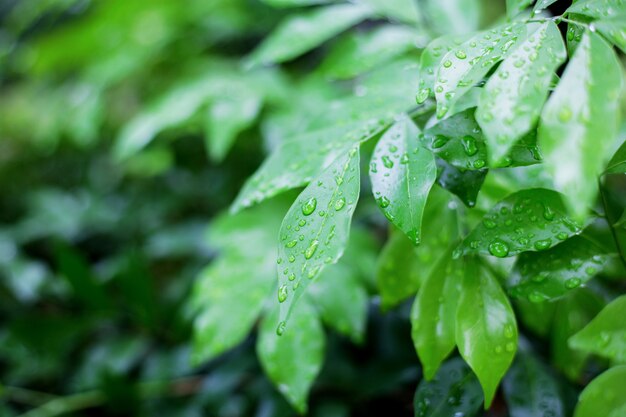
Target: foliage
{"x": 269, "y": 207}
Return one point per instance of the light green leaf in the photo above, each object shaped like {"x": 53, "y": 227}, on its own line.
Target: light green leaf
{"x": 402, "y": 10}
{"x": 402, "y": 174}
{"x": 429, "y": 62}
{"x": 617, "y": 164}
{"x": 401, "y": 266}
{"x": 598, "y": 8}
{"x": 295, "y": 3}
{"x": 300, "y": 33}
{"x": 579, "y": 122}
{"x": 604, "y": 396}
{"x": 572, "y": 314}
{"x": 614, "y": 29}
{"x": 467, "y": 64}
{"x": 433, "y": 315}
{"x": 548, "y": 275}
{"x": 515, "y": 7}
{"x": 453, "y": 16}
{"x": 528, "y": 220}
{"x": 542, "y": 4}
{"x": 530, "y": 389}
{"x": 293, "y": 359}
{"x": 229, "y": 296}
{"x": 228, "y": 116}
{"x": 341, "y": 299}
{"x": 357, "y": 52}
{"x": 605, "y": 335}
{"x": 315, "y": 231}
{"x": 454, "y": 391}
{"x": 486, "y": 331}
{"x": 511, "y": 101}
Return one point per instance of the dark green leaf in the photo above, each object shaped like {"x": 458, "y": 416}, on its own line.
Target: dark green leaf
{"x": 315, "y": 230}
{"x": 579, "y": 122}
{"x": 530, "y": 389}
{"x": 454, "y": 391}
{"x": 617, "y": 164}
{"x": 301, "y": 33}
{"x": 605, "y": 335}
{"x": 540, "y": 276}
{"x": 464, "y": 184}
{"x": 512, "y": 99}
{"x": 528, "y": 220}
{"x": 293, "y": 359}
{"x": 434, "y": 313}
{"x": 467, "y": 64}
{"x": 604, "y": 396}
{"x": 486, "y": 331}
{"x": 402, "y": 174}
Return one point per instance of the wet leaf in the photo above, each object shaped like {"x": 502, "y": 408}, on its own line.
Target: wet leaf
{"x": 604, "y": 396}
{"x": 530, "y": 389}
{"x": 315, "y": 230}
{"x": 605, "y": 335}
{"x": 293, "y": 359}
{"x": 300, "y": 33}
{"x": 402, "y": 174}
{"x": 598, "y": 8}
{"x": 454, "y": 391}
{"x": 341, "y": 299}
{"x": 486, "y": 331}
{"x": 467, "y": 64}
{"x": 579, "y": 122}
{"x": 433, "y": 315}
{"x": 540, "y": 276}
{"x": 512, "y": 99}
{"x": 614, "y": 29}
{"x": 528, "y": 220}
{"x": 453, "y": 16}
{"x": 542, "y": 4}
{"x": 515, "y": 7}
{"x": 464, "y": 184}
{"x": 617, "y": 164}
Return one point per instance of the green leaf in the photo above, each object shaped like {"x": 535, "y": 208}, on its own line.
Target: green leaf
{"x": 293, "y": 359}
{"x": 464, "y": 184}
{"x": 515, "y": 7}
{"x": 229, "y": 296}
{"x": 605, "y": 335}
{"x": 467, "y": 64}
{"x": 402, "y": 174}
{"x": 572, "y": 314}
{"x": 429, "y": 62}
{"x": 315, "y": 230}
{"x": 300, "y": 33}
{"x": 453, "y": 16}
{"x": 530, "y": 389}
{"x": 512, "y": 99}
{"x": 614, "y": 29}
{"x": 402, "y": 10}
{"x": 537, "y": 317}
{"x": 341, "y": 299}
{"x": 454, "y": 391}
{"x": 228, "y": 116}
{"x": 357, "y": 52}
{"x": 604, "y": 396}
{"x": 528, "y": 220}
{"x": 433, "y": 314}
{"x": 548, "y": 275}
{"x": 617, "y": 164}
{"x": 486, "y": 331}
{"x": 542, "y": 4}
{"x": 401, "y": 266}
{"x": 598, "y": 8}
{"x": 295, "y": 3}
{"x": 579, "y": 122}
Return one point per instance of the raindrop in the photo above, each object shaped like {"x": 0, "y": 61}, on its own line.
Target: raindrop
{"x": 469, "y": 145}
{"x": 387, "y": 162}
{"x": 542, "y": 244}
{"x": 572, "y": 283}
{"x": 422, "y": 95}
{"x": 282, "y": 293}
{"x": 310, "y": 251}
{"x": 383, "y": 202}
{"x": 309, "y": 206}
{"x": 498, "y": 248}
{"x": 460, "y": 54}
{"x": 340, "y": 203}
{"x": 291, "y": 243}
{"x": 281, "y": 328}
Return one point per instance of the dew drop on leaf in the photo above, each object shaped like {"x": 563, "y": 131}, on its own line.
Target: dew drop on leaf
{"x": 498, "y": 248}
{"x": 309, "y": 206}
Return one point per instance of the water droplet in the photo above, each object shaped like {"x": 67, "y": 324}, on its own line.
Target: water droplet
{"x": 498, "y": 248}
{"x": 510, "y": 347}
{"x": 292, "y": 258}
{"x": 479, "y": 163}
{"x": 439, "y": 141}
{"x": 536, "y": 297}
{"x": 572, "y": 283}
{"x": 565, "y": 114}
{"x": 282, "y": 293}
{"x": 291, "y": 243}
{"x": 460, "y": 54}
{"x": 310, "y": 251}
{"x": 548, "y": 213}
{"x": 387, "y": 162}
{"x": 447, "y": 63}
{"x": 509, "y": 331}
{"x": 309, "y": 206}
{"x": 422, "y": 95}
{"x": 562, "y": 236}
{"x": 404, "y": 159}
{"x": 281, "y": 328}
{"x": 279, "y": 261}
{"x": 489, "y": 224}
{"x": 469, "y": 145}
{"x": 383, "y": 202}
{"x": 291, "y": 277}
{"x": 340, "y": 203}
{"x": 542, "y": 244}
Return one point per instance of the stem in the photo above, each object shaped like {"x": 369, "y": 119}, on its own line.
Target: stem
{"x": 573, "y": 22}
{"x": 610, "y": 223}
